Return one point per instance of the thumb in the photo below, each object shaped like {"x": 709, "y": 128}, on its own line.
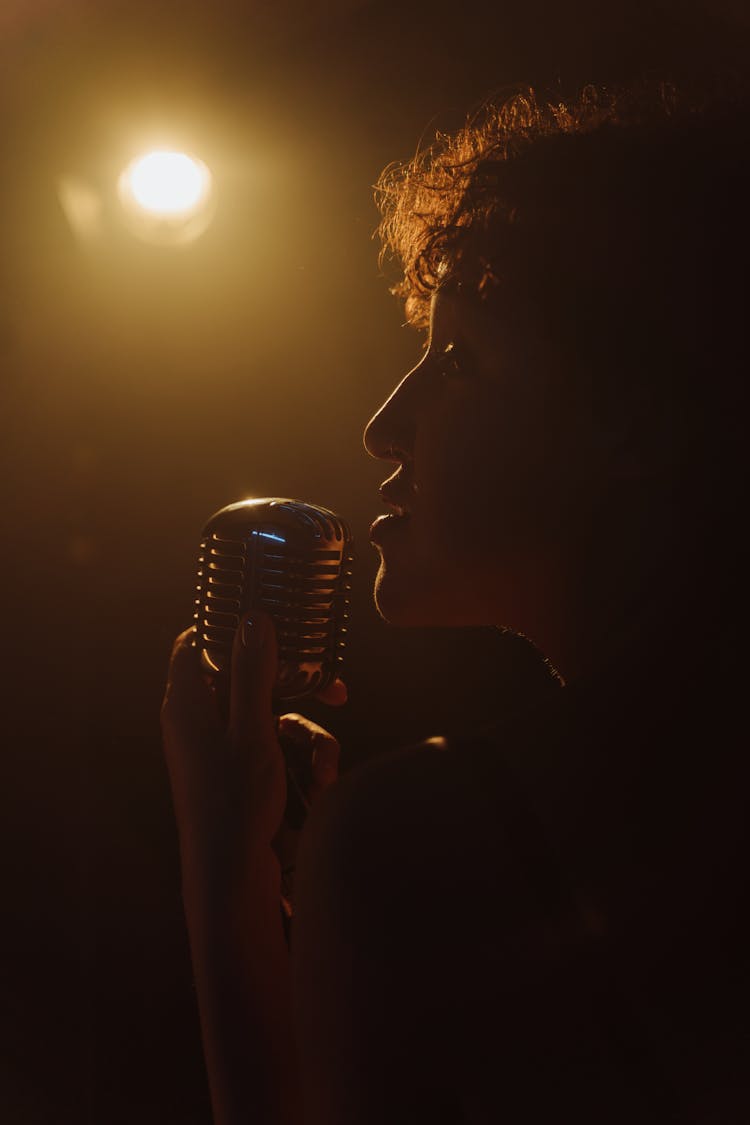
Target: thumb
{"x": 190, "y": 722}
{"x": 254, "y": 670}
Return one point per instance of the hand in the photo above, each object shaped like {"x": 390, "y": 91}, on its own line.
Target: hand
{"x": 312, "y": 757}
{"x": 229, "y": 779}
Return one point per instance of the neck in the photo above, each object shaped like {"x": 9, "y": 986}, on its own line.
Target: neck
{"x": 625, "y": 595}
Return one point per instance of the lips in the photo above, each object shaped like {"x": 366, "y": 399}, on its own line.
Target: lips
{"x": 398, "y": 492}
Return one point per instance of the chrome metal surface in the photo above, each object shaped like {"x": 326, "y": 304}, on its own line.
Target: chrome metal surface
{"x": 292, "y": 559}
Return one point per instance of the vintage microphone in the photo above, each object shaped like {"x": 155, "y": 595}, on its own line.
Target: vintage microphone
{"x": 293, "y": 560}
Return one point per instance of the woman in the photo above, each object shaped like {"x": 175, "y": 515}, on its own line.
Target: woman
{"x": 544, "y": 919}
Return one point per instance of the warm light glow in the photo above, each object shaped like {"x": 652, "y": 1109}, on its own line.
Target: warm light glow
{"x": 168, "y": 184}
{"x": 167, "y": 197}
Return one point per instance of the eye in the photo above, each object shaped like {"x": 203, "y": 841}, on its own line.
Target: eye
{"x": 454, "y": 362}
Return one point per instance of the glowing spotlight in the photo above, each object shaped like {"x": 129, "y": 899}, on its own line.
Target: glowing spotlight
{"x": 167, "y": 196}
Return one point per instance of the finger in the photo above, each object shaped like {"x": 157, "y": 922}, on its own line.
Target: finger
{"x": 322, "y": 747}
{"x": 191, "y": 729}
{"x": 335, "y": 695}
{"x": 188, "y": 704}
{"x": 300, "y": 730}
{"x": 254, "y": 670}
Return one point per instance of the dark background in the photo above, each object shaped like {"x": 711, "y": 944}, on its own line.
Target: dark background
{"x": 144, "y": 387}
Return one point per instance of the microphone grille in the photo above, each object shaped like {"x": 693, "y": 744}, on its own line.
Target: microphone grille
{"x": 292, "y": 559}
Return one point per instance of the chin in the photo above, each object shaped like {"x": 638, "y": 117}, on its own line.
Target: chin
{"x": 414, "y": 601}
{"x": 399, "y": 601}
{"x": 456, "y": 596}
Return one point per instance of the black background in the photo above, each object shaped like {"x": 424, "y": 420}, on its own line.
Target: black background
{"x": 143, "y": 387}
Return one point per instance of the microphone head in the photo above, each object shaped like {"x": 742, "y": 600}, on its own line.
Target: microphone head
{"x": 291, "y": 559}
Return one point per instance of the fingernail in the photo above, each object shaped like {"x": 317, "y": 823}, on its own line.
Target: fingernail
{"x": 252, "y": 634}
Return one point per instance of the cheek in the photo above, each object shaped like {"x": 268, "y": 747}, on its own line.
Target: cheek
{"x": 494, "y": 479}
{"x": 505, "y": 491}
{"x": 495, "y": 494}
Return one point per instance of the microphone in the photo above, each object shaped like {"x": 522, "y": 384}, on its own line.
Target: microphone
{"x": 291, "y": 559}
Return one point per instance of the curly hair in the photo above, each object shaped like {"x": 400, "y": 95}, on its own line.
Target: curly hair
{"x": 609, "y": 237}
{"x": 605, "y": 207}
{"x": 461, "y": 192}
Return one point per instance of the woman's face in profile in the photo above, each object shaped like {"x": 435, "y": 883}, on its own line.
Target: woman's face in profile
{"x": 492, "y": 477}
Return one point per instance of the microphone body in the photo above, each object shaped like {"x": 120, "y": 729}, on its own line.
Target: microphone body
{"x": 291, "y": 559}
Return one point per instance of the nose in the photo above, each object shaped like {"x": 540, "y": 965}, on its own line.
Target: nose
{"x": 389, "y": 435}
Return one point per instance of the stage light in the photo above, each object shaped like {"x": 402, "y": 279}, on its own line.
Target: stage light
{"x": 166, "y": 196}
{"x": 168, "y": 183}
